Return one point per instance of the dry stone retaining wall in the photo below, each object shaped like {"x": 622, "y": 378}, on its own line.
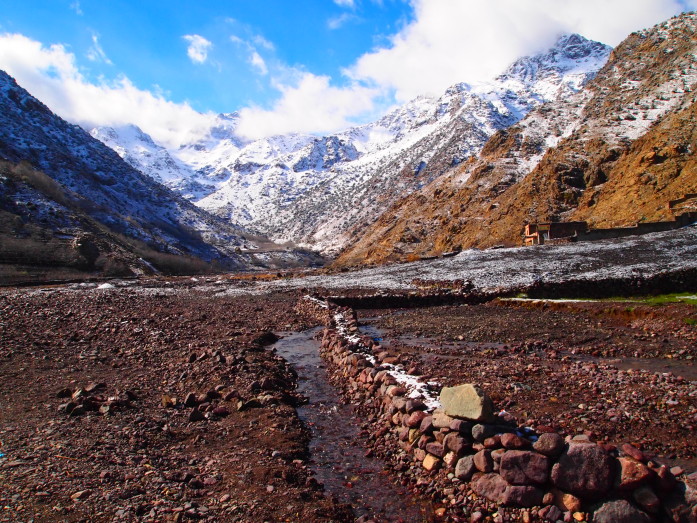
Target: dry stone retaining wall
{"x": 477, "y": 465}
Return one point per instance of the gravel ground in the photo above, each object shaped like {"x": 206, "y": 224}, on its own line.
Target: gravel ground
{"x": 622, "y": 374}
{"x": 129, "y": 450}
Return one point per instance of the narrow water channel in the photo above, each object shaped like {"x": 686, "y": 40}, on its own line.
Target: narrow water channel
{"x": 337, "y": 456}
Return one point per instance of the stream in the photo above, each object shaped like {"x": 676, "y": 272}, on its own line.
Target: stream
{"x": 338, "y": 458}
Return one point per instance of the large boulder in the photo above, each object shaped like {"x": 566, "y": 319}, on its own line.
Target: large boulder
{"x": 467, "y": 402}
{"x": 584, "y": 469}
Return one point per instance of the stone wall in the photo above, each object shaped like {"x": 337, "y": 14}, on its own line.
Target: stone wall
{"x": 480, "y": 466}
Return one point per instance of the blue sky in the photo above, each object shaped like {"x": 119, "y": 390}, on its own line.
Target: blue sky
{"x": 288, "y": 65}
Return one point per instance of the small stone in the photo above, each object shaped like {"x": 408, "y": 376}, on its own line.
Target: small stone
{"x": 415, "y": 418}
{"x": 190, "y": 400}
{"x": 426, "y": 425}
{"x": 483, "y": 461}
{"x": 455, "y": 442}
{"x": 550, "y": 513}
{"x": 522, "y": 496}
{"x": 468, "y": 402}
{"x": 196, "y": 415}
{"x": 579, "y": 516}
{"x": 221, "y": 412}
{"x": 465, "y": 468}
{"x": 168, "y": 402}
{"x": 436, "y": 449}
{"x": 225, "y": 498}
{"x": 462, "y": 427}
{"x": 431, "y": 462}
{"x": 82, "y": 494}
{"x": 481, "y": 431}
{"x": 647, "y": 499}
{"x": 549, "y": 444}
{"x": 632, "y": 474}
{"x": 567, "y": 502}
{"x": 677, "y": 471}
{"x": 633, "y": 452}
{"x": 511, "y": 441}
{"x": 620, "y": 511}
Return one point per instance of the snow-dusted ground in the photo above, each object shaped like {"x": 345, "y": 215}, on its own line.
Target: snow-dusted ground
{"x": 508, "y": 268}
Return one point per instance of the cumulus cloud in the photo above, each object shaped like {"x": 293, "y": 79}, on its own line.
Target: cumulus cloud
{"x": 95, "y": 53}
{"x": 311, "y": 105}
{"x": 198, "y": 48}
{"x": 51, "y": 74}
{"x": 351, "y": 4}
{"x": 75, "y": 6}
{"x": 451, "y": 41}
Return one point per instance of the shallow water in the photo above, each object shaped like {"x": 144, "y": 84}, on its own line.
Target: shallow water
{"x": 337, "y": 456}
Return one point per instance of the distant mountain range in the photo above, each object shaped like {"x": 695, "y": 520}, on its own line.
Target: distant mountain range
{"x": 579, "y": 132}
{"x": 321, "y": 191}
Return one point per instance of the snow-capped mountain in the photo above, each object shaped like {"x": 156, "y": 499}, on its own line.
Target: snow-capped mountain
{"x": 612, "y": 155}
{"x": 90, "y": 178}
{"x": 320, "y": 191}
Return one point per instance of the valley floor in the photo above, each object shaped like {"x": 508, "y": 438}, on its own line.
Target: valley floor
{"x": 159, "y": 400}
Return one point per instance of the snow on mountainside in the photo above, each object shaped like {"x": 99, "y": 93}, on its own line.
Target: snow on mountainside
{"x": 613, "y": 154}
{"x": 320, "y": 191}
{"x": 102, "y": 185}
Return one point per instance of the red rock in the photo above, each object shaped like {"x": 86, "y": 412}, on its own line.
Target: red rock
{"x": 584, "y": 469}
{"x": 550, "y": 444}
{"x": 426, "y": 424}
{"x": 620, "y": 511}
{"x": 483, "y": 461}
{"x": 491, "y": 486}
{"x": 415, "y": 419}
{"x": 523, "y": 467}
{"x": 455, "y": 443}
{"x": 632, "y": 474}
{"x": 633, "y": 452}
{"x": 522, "y": 496}
{"x": 436, "y": 449}
{"x": 493, "y": 442}
{"x": 512, "y": 441}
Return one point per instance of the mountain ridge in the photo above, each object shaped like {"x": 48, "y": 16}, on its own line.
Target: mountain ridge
{"x": 566, "y": 160}
{"x": 280, "y": 186}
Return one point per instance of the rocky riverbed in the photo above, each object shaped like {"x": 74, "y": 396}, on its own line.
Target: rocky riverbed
{"x": 124, "y": 407}
{"x": 162, "y": 400}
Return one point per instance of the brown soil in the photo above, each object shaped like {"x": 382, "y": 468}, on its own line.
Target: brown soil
{"x": 561, "y": 365}
{"x": 145, "y": 460}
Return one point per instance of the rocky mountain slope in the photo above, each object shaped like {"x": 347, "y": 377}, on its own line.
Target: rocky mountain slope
{"x": 612, "y": 154}
{"x": 321, "y": 191}
{"x": 78, "y": 174}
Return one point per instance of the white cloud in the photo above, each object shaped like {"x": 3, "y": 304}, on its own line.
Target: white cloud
{"x": 75, "y": 6}
{"x": 312, "y": 105}
{"x": 337, "y": 21}
{"x": 95, "y": 53}
{"x": 198, "y": 48}
{"x": 451, "y": 41}
{"x": 51, "y": 75}
{"x": 253, "y": 56}
{"x": 258, "y": 62}
{"x": 350, "y": 4}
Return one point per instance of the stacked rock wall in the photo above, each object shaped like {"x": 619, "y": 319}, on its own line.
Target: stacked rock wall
{"x": 477, "y": 465}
